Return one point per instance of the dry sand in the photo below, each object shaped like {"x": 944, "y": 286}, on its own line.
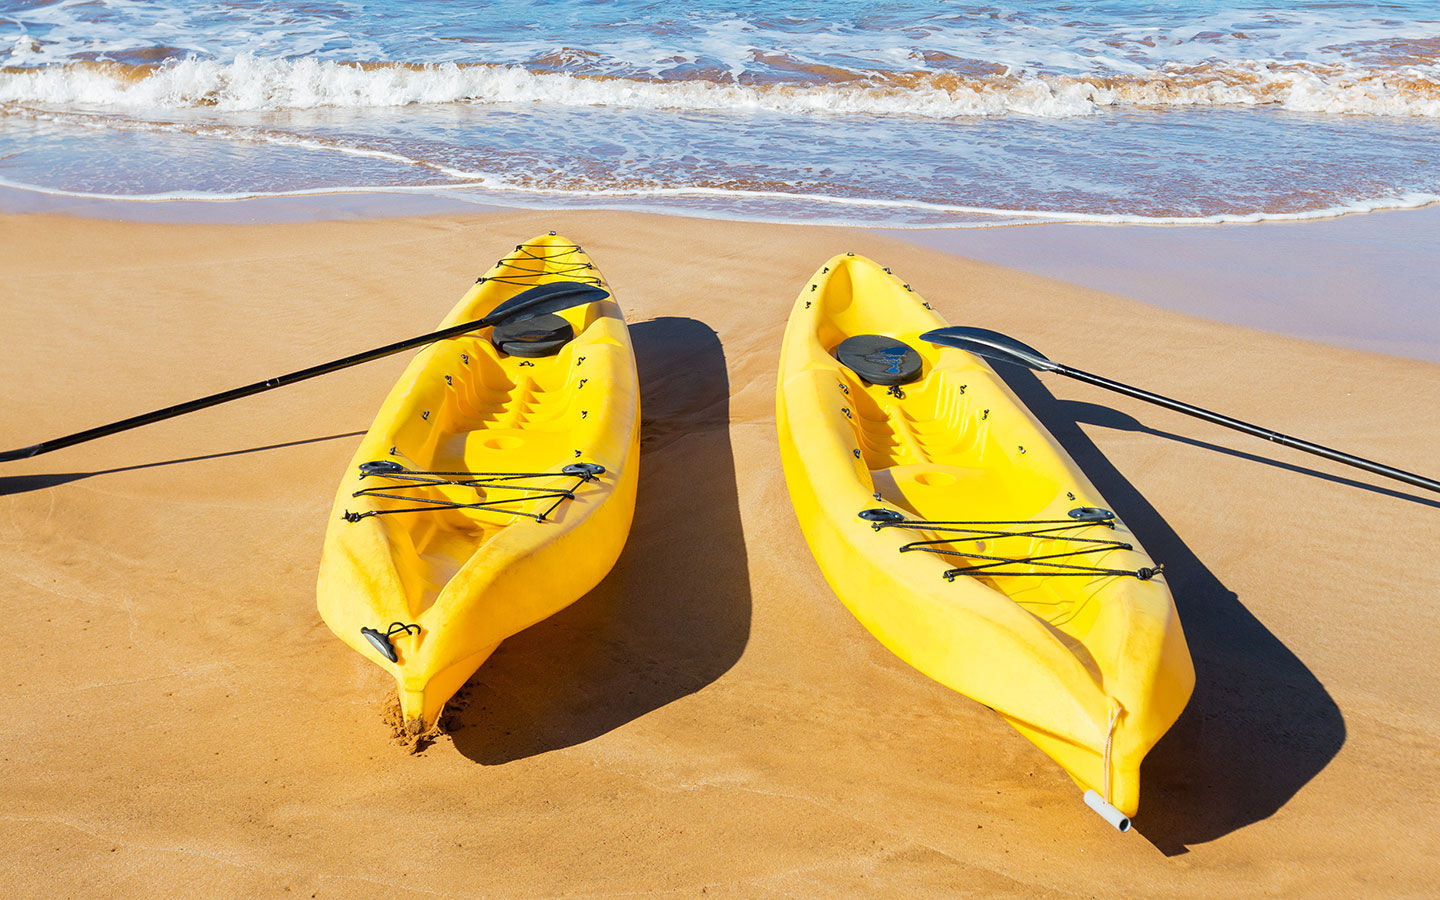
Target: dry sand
{"x": 710, "y": 720}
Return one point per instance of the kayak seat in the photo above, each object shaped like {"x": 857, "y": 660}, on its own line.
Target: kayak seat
{"x": 879, "y": 359}
{"x": 534, "y": 337}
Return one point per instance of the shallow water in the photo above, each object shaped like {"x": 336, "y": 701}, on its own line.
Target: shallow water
{"x": 846, "y": 112}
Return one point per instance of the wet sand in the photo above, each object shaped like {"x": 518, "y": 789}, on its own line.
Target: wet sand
{"x": 710, "y": 720}
{"x": 1371, "y": 282}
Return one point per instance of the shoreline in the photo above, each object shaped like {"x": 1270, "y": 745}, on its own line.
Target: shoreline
{"x": 1363, "y": 280}
{"x": 1367, "y": 281}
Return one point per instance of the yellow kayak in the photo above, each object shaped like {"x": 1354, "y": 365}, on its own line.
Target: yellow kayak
{"x": 495, "y": 487}
{"x": 957, "y": 530}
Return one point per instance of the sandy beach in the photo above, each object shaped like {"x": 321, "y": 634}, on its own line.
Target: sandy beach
{"x": 710, "y": 720}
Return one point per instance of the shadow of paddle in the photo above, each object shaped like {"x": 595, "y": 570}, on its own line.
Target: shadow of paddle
{"x": 1259, "y": 725}
{"x": 1105, "y": 417}
{"x": 674, "y": 613}
{"x": 20, "y": 484}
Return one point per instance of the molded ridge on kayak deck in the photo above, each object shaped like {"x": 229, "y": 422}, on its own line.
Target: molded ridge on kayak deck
{"x": 985, "y": 558}
{"x": 492, "y": 490}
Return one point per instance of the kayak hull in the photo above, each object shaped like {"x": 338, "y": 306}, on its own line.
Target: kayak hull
{"x": 447, "y": 571}
{"x": 1092, "y": 668}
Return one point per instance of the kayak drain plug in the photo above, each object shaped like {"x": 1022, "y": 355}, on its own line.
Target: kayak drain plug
{"x": 380, "y": 640}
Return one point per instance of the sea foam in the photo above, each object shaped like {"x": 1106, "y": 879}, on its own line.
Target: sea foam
{"x": 258, "y": 83}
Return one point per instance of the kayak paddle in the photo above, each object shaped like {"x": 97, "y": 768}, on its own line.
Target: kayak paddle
{"x": 537, "y": 301}
{"x": 1003, "y": 348}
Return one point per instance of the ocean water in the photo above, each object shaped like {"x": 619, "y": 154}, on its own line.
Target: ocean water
{"x": 897, "y": 114}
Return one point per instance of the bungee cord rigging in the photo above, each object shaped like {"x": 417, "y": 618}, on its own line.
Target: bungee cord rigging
{"x": 1040, "y": 564}
{"x": 415, "y": 480}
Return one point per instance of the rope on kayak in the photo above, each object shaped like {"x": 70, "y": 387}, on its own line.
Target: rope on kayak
{"x": 404, "y": 479}
{"x": 1045, "y": 565}
{"x": 1115, "y": 710}
{"x": 524, "y": 276}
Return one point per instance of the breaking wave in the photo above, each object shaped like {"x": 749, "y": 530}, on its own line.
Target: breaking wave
{"x": 256, "y": 83}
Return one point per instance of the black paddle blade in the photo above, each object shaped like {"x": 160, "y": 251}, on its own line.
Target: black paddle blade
{"x": 543, "y": 299}
{"x": 991, "y": 345}
{"x": 22, "y": 453}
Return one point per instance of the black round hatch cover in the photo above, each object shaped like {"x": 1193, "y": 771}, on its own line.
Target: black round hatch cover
{"x": 879, "y": 359}
{"x": 540, "y": 336}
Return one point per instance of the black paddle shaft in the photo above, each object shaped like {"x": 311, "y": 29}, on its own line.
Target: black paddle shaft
{"x": 1283, "y": 440}
{"x": 1003, "y": 348}
{"x": 545, "y": 298}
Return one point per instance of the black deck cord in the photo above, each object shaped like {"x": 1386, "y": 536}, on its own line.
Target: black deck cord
{"x": 526, "y": 279}
{"x": 480, "y": 481}
{"x": 1047, "y": 534}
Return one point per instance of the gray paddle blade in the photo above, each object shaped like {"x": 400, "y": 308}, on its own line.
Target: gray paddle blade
{"x": 991, "y": 345}
{"x": 546, "y": 298}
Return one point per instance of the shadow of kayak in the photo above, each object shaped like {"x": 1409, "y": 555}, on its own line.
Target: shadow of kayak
{"x": 674, "y": 613}
{"x": 1260, "y": 725}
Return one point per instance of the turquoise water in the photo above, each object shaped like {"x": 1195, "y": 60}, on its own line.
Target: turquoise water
{"x": 899, "y": 114}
